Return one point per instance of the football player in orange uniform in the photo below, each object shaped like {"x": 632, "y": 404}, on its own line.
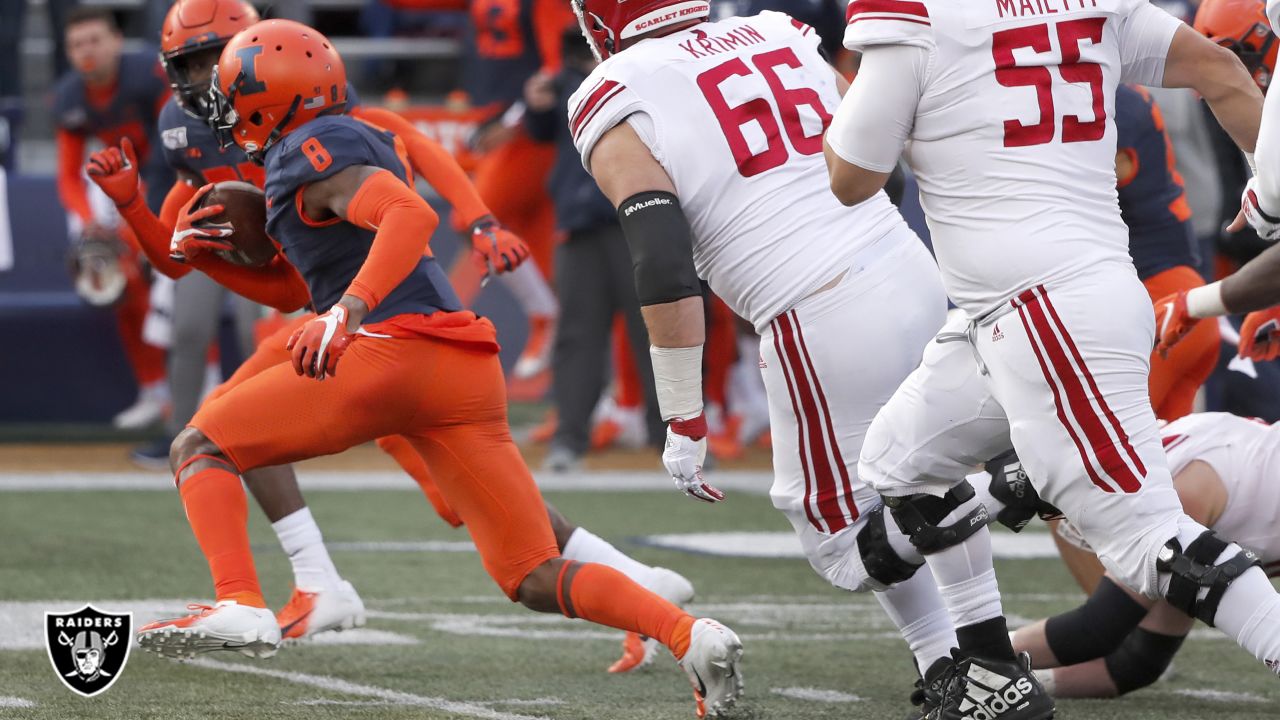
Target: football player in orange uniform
{"x": 194, "y": 34}
{"x": 341, "y": 205}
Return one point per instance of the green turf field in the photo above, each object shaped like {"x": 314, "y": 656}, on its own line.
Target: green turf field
{"x": 442, "y": 643}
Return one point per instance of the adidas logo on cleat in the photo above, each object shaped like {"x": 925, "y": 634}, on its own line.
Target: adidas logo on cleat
{"x": 1013, "y": 697}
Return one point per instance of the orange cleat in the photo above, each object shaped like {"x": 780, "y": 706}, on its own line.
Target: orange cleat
{"x": 545, "y": 430}
{"x": 310, "y": 612}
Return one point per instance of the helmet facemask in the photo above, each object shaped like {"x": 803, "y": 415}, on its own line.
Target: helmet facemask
{"x": 192, "y": 96}
{"x": 599, "y": 37}
{"x": 224, "y": 118}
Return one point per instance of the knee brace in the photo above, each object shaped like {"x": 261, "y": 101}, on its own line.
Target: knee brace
{"x": 1011, "y": 487}
{"x": 918, "y": 517}
{"x": 1096, "y": 628}
{"x": 1197, "y": 569}
{"x": 1141, "y": 659}
{"x": 879, "y": 559}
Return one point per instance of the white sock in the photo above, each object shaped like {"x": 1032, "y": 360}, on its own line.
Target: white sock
{"x": 583, "y": 546}
{"x": 1249, "y": 613}
{"x": 300, "y": 537}
{"x": 916, "y": 608}
{"x": 531, "y": 290}
{"x": 966, "y": 574}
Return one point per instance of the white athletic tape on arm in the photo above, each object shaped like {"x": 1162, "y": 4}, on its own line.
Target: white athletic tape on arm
{"x": 1206, "y": 301}
{"x": 677, "y": 374}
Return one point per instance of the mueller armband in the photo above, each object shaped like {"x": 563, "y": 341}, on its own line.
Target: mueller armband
{"x": 661, "y": 247}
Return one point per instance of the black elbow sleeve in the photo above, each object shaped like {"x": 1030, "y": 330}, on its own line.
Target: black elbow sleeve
{"x": 661, "y": 247}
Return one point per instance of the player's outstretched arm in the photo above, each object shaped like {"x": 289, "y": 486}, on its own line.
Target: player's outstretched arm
{"x": 873, "y": 121}
{"x": 1195, "y": 62}
{"x": 432, "y": 163}
{"x": 670, "y": 295}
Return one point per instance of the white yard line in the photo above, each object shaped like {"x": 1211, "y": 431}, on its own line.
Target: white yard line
{"x": 816, "y": 695}
{"x": 1219, "y": 695}
{"x": 351, "y": 481}
{"x": 346, "y": 687}
{"x": 9, "y": 701}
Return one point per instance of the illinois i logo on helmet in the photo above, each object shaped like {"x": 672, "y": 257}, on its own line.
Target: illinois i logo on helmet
{"x": 88, "y": 648}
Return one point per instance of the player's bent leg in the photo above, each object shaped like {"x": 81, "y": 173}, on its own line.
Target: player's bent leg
{"x": 579, "y": 544}
{"x": 1075, "y": 386}
{"x": 217, "y": 510}
{"x": 402, "y": 451}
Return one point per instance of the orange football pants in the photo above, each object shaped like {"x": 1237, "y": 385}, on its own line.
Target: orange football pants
{"x": 271, "y": 351}
{"x": 446, "y": 399}
{"x": 512, "y": 181}
{"x": 1176, "y": 379}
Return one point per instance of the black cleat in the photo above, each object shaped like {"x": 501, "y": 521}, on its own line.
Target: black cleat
{"x": 927, "y": 696}
{"x": 985, "y": 689}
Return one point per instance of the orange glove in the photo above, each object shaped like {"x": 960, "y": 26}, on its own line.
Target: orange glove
{"x": 1260, "y": 335}
{"x": 115, "y": 170}
{"x": 1173, "y": 321}
{"x": 192, "y": 236}
{"x": 319, "y": 343}
{"x": 501, "y": 250}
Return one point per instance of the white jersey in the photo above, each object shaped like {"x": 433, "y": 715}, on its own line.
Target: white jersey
{"x": 1013, "y": 142}
{"x": 734, "y": 111}
{"x": 1245, "y": 453}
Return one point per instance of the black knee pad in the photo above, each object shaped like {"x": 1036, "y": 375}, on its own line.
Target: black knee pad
{"x": 1011, "y": 486}
{"x": 1195, "y": 569}
{"x": 1096, "y": 628}
{"x": 918, "y": 517}
{"x": 881, "y": 561}
{"x": 1141, "y": 659}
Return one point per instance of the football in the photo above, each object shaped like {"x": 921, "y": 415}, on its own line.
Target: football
{"x": 245, "y": 209}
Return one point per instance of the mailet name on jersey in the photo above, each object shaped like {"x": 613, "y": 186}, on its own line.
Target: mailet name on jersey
{"x": 1023, "y": 8}
{"x": 703, "y": 45}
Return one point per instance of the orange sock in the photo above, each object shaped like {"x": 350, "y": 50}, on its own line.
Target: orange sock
{"x": 600, "y": 594}
{"x": 411, "y": 462}
{"x": 218, "y": 513}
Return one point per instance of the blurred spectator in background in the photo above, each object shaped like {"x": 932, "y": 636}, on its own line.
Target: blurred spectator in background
{"x": 593, "y": 270}
{"x": 13, "y": 17}
{"x": 510, "y": 42}
{"x": 107, "y": 96}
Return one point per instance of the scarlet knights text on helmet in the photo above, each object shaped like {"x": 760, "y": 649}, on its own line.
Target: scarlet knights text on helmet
{"x": 88, "y": 648}
{"x": 611, "y": 25}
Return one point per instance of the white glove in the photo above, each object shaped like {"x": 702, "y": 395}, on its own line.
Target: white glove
{"x": 1265, "y": 224}
{"x": 683, "y": 454}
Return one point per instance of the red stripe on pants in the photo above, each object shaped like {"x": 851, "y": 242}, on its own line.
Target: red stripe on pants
{"x": 1081, "y": 409}
{"x": 1102, "y": 400}
{"x": 828, "y": 503}
{"x": 831, "y": 432}
{"x": 800, "y": 429}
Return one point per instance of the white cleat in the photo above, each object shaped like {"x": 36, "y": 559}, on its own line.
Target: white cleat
{"x": 147, "y": 410}
{"x": 228, "y": 625}
{"x": 310, "y": 612}
{"x": 637, "y": 650}
{"x": 712, "y": 664}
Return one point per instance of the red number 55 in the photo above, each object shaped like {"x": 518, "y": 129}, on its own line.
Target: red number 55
{"x": 1009, "y": 74}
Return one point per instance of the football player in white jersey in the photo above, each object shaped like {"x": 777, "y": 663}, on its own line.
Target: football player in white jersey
{"x": 1005, "y": 110}
{"x": 1224, "y": 469}
{"x": 707, "y": 136}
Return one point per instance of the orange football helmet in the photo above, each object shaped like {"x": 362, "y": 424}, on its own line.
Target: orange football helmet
{"x": 272, "y": 78}
{"x": 193, "y": 26}
{"x": 1241, "y": 26}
